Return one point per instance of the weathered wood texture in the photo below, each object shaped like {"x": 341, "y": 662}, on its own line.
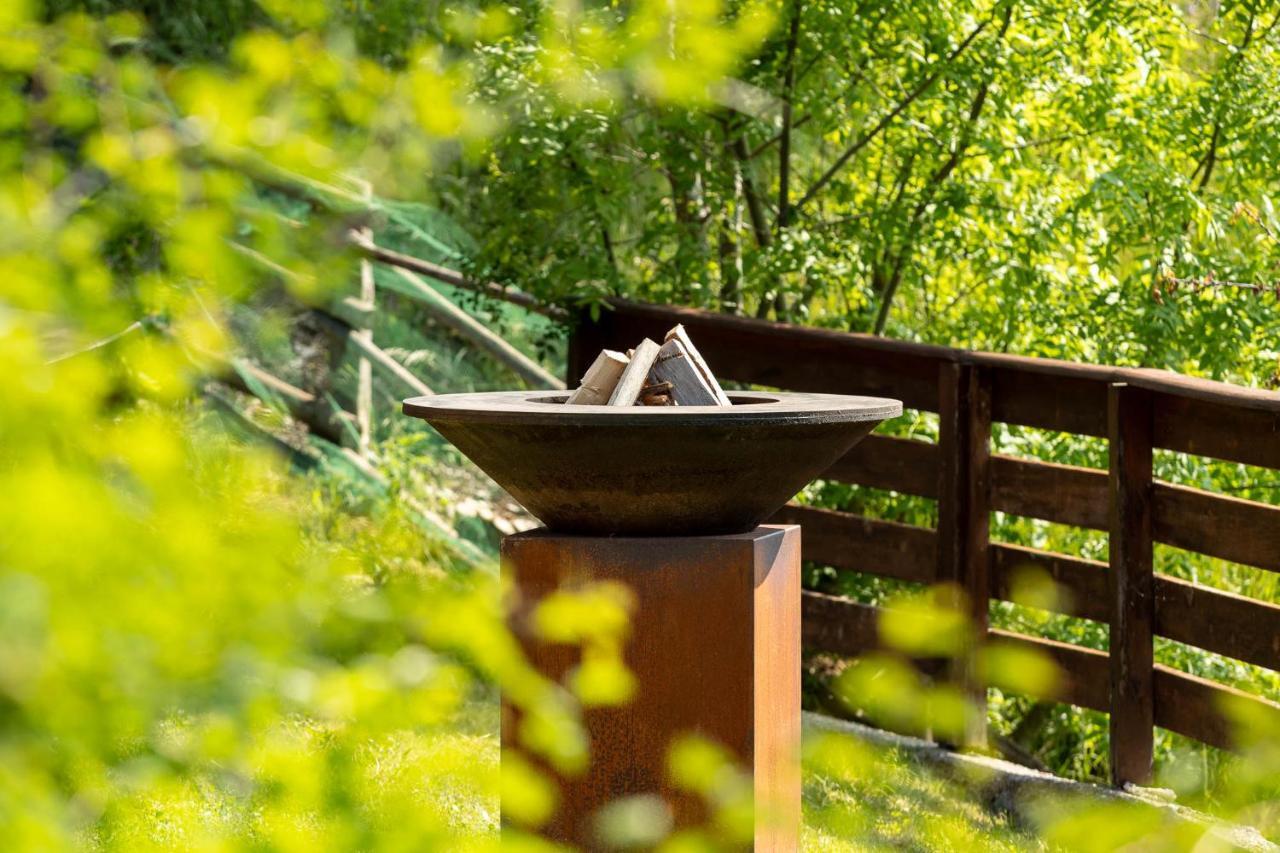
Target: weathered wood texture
{"x": 964, "y": 449}
{"x": 1132, "y": 585}
{"x": 715, "y": 650}
{"x": 1064, "y": 494}
{"x": 838, "y": 625}
{"x": 635, "y": 374}
{"x": 1218, "y": 621}
{"x": 1200, "y": 708}
{"x": 1161, "y": 410}
{"x": 699, "y": 363}
{"x": 862, "y": 544}
{"x": 600, "y": 379}
{"x": 883, "y": 462}
{"x": 688, "y": 386}
{"x": 1233, "y": 529}
{"x": 1082, "y": 584}
{"x": 1219, "y": 429}
{"x": 1083, "y": 672}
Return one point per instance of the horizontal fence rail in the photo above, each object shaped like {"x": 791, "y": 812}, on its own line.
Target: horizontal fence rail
{"x": 1136, "y": 410}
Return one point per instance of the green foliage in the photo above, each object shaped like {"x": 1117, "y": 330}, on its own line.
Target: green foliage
{"x": 862, "y": 797}
{"x": 199, "y": 648}
{"x": 1007, "y": 176}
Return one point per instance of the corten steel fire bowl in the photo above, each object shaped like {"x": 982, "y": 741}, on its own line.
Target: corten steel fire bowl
{"x": 652, "y": 470}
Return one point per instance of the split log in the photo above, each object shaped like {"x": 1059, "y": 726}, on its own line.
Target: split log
{"x": 688, "y": 387}
{"x": 699, "y": 364}
{"x": 636, "y": 375}
{"x": 601, "y": 378}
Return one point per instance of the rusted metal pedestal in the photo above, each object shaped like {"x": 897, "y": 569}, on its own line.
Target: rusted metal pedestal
{"x": 715, "y": 649}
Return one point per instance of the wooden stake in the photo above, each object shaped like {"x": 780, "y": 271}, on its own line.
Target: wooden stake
{"x": 635, "y": 376}
{"x": 699, "y": 364}
{"x": 363, "y": 338}
{"x": 600, "y": 379}
{"x": 688, "y": 387}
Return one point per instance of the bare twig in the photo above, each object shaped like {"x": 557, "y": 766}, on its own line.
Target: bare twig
{"x": 135, "y": 326}
{"x": 777, "y": 137}
{"x": 1172, "y": 283}
{"x": 457, "y": 279}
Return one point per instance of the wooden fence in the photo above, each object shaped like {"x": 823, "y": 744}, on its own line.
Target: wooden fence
{"x": 1135, "y": 410}
{"x": 347, "y": 326}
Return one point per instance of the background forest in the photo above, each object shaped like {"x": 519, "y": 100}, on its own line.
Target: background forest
{"x": 204, "y": 646}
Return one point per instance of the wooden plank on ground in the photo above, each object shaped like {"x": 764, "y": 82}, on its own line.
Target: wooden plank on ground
{"x": 635, "y": 375}
{"x": 376, "y": 356}
{"x": 467, "y": 326}
{"x": 600, "y": 379}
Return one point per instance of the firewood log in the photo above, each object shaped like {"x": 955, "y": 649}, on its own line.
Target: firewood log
{"x": 600, "y": 380}
{"x": 673, "y": 365}
{"x": 635, "y": 376}
{"x": 700, "y": 364}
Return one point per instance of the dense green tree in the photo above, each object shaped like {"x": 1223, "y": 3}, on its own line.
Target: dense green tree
{"x": 1003, "y": 175}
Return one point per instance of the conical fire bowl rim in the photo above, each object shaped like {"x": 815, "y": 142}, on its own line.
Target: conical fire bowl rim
{"x": 538, "y": 408}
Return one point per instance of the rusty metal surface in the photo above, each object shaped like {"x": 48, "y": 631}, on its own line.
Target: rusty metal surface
{"x": 652, "y": 471}
{"x": 714, "y": 647}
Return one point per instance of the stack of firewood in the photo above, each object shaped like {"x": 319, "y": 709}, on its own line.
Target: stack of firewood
{"x": 673, "y": 374}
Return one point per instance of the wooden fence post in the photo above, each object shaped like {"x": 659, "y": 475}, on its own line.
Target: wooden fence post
{"x": 964, "y": 445}
{"x": 1129, "y": 428}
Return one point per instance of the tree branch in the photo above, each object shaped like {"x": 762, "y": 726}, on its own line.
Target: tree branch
{"x": 777, "y": 137}
{"x": 939, "y": 176}
{"x": 911, "y": 97}
{"x": 788, "y": 90}
{"x": 755, "y": 210}
{"x": 1210, "y": 158}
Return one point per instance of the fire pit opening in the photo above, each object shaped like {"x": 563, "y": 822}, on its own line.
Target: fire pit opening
{"x": 734, "y": 400}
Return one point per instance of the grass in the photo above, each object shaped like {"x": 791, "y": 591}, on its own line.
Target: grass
{"x": 859, "y": 797}
{"x": 856, "y": 796}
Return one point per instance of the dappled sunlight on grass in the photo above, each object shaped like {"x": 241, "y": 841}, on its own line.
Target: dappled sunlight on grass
{"x": 863, "y": 797}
